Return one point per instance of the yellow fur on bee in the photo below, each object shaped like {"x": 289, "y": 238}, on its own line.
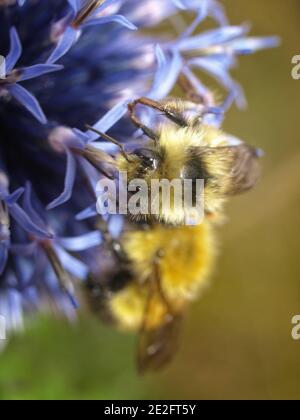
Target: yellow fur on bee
{"x": 177, "y": 140}
{"x": 186, "y": 257}
{"x": 129, "y": 308}
{"x": 174, "y": 144}
{"x": 174, "y": 148}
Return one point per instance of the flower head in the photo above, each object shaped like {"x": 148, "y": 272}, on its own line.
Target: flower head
{"x": 70, "y": 63}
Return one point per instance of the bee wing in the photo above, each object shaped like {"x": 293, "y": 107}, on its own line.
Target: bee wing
{"x": 245, "y": 171}
{"x": 157, "y": 346}
{"x": 244, "y": 168}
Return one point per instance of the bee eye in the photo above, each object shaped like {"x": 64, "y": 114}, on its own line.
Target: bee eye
{"x": 149, "y": 158}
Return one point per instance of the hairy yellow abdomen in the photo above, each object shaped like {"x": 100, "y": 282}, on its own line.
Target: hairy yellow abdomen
{"x": 182, "y": 257}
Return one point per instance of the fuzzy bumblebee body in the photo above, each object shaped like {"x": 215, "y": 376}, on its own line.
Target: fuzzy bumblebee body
{"x": 165, "y": 268}
{"x": 183, "y": 257}
{"x": 193, "y": 151}
{"x": 164, "y": 263}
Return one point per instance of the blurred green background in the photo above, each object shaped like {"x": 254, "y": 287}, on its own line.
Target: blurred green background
{"x": 237, "y": 341}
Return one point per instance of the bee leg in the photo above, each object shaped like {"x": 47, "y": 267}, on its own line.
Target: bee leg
{"x": 155, "y": 289}
{"x": 146, "y": 130}
{"x": 86, "y": 11}
{"x": 111, "y": 140}
{"x": 169, "y": 113}
{"x": 157, "y": 280}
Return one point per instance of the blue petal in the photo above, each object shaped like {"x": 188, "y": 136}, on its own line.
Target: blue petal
{"x": 213, "y": 68}
{"x": 11, "y": 199}
{"x": 109, "y": 119}
{"x": 106, "y": 4}
{"x": 210, "y": 7}
{"x": 69, "y": 182}
{"x": 15, "y": 50}
{"x": 199, "y": 86}
{"x": 213, "y": 37}
{"x": 26, "y": 223}
{"x": 72, "y": 264}
{"x": 250, "y": 45}
{"x": 76, "y": 5}
{"x": 190, "y": 29}
{"x": 122, "y": 20}
{"x": 83, "y": 138}
{"x": 217, "y": 114}
{"x": 27, "y": 204}
{"x": 217, "y": 11}
{"x": 64, "y": 45}
{"x": 81, "y": 243}
{"x": 38, "y": 70}
{"x": 167, "y": 74}
{"x": 106, "y": 147}
{"x": 91, "y": 174}
{"x": 28, "y": 101}
{"x": 87, "y": 213}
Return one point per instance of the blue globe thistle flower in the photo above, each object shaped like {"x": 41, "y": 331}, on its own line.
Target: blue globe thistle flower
{"x": 70, "y": 63}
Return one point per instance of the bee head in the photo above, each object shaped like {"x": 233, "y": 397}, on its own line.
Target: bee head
{"x": 149, "y": 159}
{"x": 143, "y": 163}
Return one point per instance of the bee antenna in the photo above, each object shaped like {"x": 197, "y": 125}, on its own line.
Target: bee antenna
{"x": 111, "y": 140}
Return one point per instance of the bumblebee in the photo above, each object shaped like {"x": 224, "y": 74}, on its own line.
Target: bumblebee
{"x": 160, "y": 270}
{"x": 162, "y": 264}
{"x": 187, "y": 149}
